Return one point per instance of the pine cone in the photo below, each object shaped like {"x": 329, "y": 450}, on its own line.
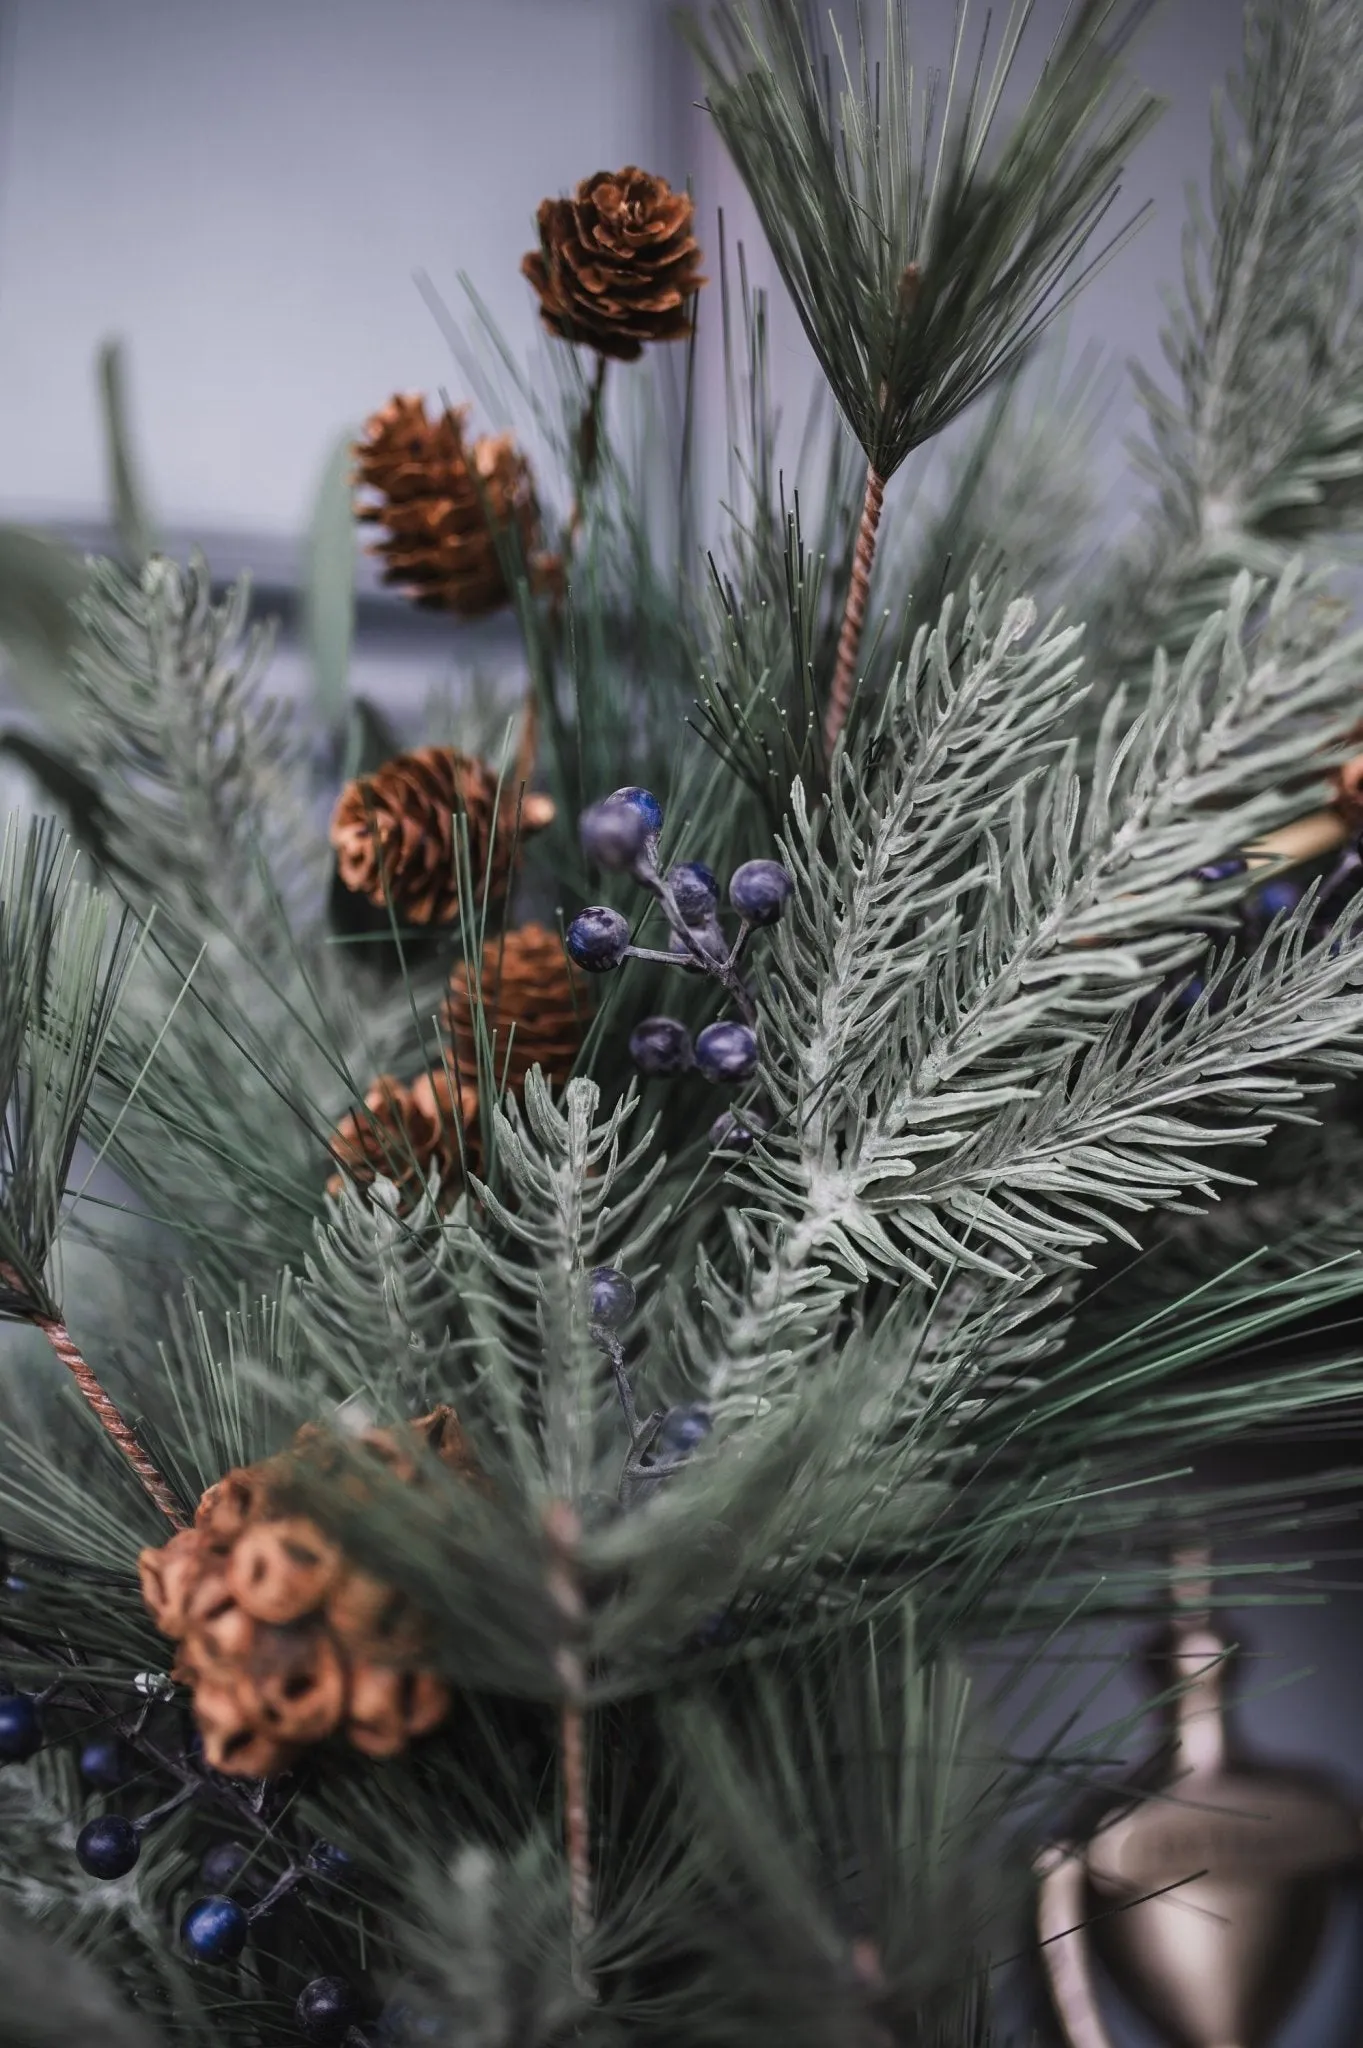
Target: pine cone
{"x": 444, "y": 505}
{"x": 281, "y": 1639}
{"x": 403, "y": 1131}
{"x": 536, "y": 1005}
{"x": 398, "y": 838}
{"x": 617, "y": 264}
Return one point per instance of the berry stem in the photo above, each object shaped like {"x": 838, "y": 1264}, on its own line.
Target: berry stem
{"x": 564, "y": 1532}
{"x": 588, "y": 454}
{"x": 854, "y": 611}
{"x": 722, "y": 971}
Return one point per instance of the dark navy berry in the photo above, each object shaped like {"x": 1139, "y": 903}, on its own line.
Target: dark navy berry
{"x": 660, "y": 1045}
{"x": 1188, "y": 993}
{"x": 760, "y": 891}
{"x": 328, "y": 1860}
{"x": 108, "y": 1847}
{"x": 682, "y": 1429}
{"x": 1276, "y": 898}
{"x": 107, "y": 1762}
{"x": 15, "y": 1587}
{"x": 326, "y": 2009}
{"x": 20, "y": 1730}
{"x": 214, "y": 1930}
{"x": 613, "y": 834}
{"x": 727, "y": 1052}
{"x": 645, "y": 803}
{"x": 401, "y": 2023}
{"x": 1220, "y": 870}
{"x": 598, "y": 939}
{"x": 611, "y": 1297}
{"x": 223, "y": 1864}
{"x": 694, "y": 890}
{"x": 729, "y": 1133}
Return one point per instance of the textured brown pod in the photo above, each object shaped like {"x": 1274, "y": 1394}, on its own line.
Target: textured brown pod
{"x": 281, "y": 1570}
{"x": 536, "y": 1006}
{"x": 617, "y": 264}
{"x": 400, "y": 834}
{"x": 282, "y": 1641}
{"x": 448, "y": 505}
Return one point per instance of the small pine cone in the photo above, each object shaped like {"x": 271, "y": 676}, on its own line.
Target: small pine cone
{"x": 402, "y": 1132}
{"x": 170, "y": 1577}
{"x": 389, "y": 1707}
{"x": 535, "y": 1003}
{"x": 444, "y": 503}
{"x": 617, "y": 264}
{"x": 399, "y": 833}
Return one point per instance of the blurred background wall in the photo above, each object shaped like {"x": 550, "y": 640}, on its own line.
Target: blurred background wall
{"x": 242, "y": 191}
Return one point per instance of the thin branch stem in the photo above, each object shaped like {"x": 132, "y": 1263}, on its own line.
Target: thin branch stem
{"x": 854, "y": 611}
{"x": 110, "y": 1418}
{"x": 588, "y": 453}
{"x": 564, "y": 1531}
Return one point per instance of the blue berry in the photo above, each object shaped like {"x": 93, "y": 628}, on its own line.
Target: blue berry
{"x": 107, "y": 1762}
{"x": 611, "y": 1296}
{"x": 1276, "y": 898}
{"x": 694, "y": 890}
{"x": 20, "y": 1730}
{"x": 108, "y": 1847}
{"x": 1188, "y": 993}
{"x": 15, "y": 1587}
{"x": 401, "y": 2022}
{"x": 214, "y": 1930}
{"x": 328, "y": 1860}
{"x": 727, "y": 1051}
{"x": 222, "y": 1866}
{"x": 598, "y": 939}
{"x": 613, "y": 835}
{"x": 660, "y": 1045}
{"x": 1220, "y": 870}
{"x": 682, "y": 1429}
{"x": 729, "y": 1133}
{"x": 760, "y": 891}
{"x": 326, "y": 2009}
{"x": 645, "y": 803}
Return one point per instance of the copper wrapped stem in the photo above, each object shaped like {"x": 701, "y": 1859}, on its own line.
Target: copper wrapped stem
{"x": 110, "y": 1418}
{"x": 854, "y": 611}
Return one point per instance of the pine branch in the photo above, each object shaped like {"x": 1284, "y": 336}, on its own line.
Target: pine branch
{"x": 1258, "y": 451}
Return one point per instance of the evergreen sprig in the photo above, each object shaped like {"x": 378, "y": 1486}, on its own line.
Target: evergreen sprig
{"x": 923, "y": 248}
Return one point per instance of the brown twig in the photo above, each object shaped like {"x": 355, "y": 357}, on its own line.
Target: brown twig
{"x": 110, "y": 1419}
{"x": 564, "y": 1531}
{"x": 588, "y": 452}
{"x": 854, "y": 611}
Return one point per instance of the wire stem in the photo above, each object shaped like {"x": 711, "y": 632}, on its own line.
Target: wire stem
{"x": 854, "y": 611}
{"x": 588, "y": 453}
{"x": 111, "y": 1421}
{"x": 564, "y": 1532}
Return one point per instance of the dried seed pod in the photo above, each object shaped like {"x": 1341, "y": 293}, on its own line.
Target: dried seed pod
{"x": 170, "y": 1577}
{"x": 236, "y": 1739}
{"x": 280, "y": 1570}
{"x": 300, "y": 1681}
{"x": 227, "y": 1507}
{"x": 388, "y": 1707}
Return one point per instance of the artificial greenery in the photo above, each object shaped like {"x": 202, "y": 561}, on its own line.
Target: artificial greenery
{"x": 734, "y": 1752}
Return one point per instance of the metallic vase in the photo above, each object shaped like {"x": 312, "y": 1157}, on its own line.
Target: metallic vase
{"x": 1205, "y": 1890}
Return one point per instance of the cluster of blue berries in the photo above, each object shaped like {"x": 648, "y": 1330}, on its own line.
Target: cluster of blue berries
{"x": 621, "y": 835}
{"x": 214, "y": 1928}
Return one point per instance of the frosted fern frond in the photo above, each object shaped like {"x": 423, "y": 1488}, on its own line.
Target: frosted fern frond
{"x": 575, "y": 1191}
{"x": 196, "y": 768}
{"x": 950, "y": 1046}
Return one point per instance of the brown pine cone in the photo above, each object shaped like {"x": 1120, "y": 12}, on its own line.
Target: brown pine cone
{"x": 403, "y": 1131}
{"x": 399, "y": 833}
{"x": 536, "y": 1005}
{"x": 282, "y": 1641}
{"x": 617, "y": 264}
{"x": 444, "y": 504}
